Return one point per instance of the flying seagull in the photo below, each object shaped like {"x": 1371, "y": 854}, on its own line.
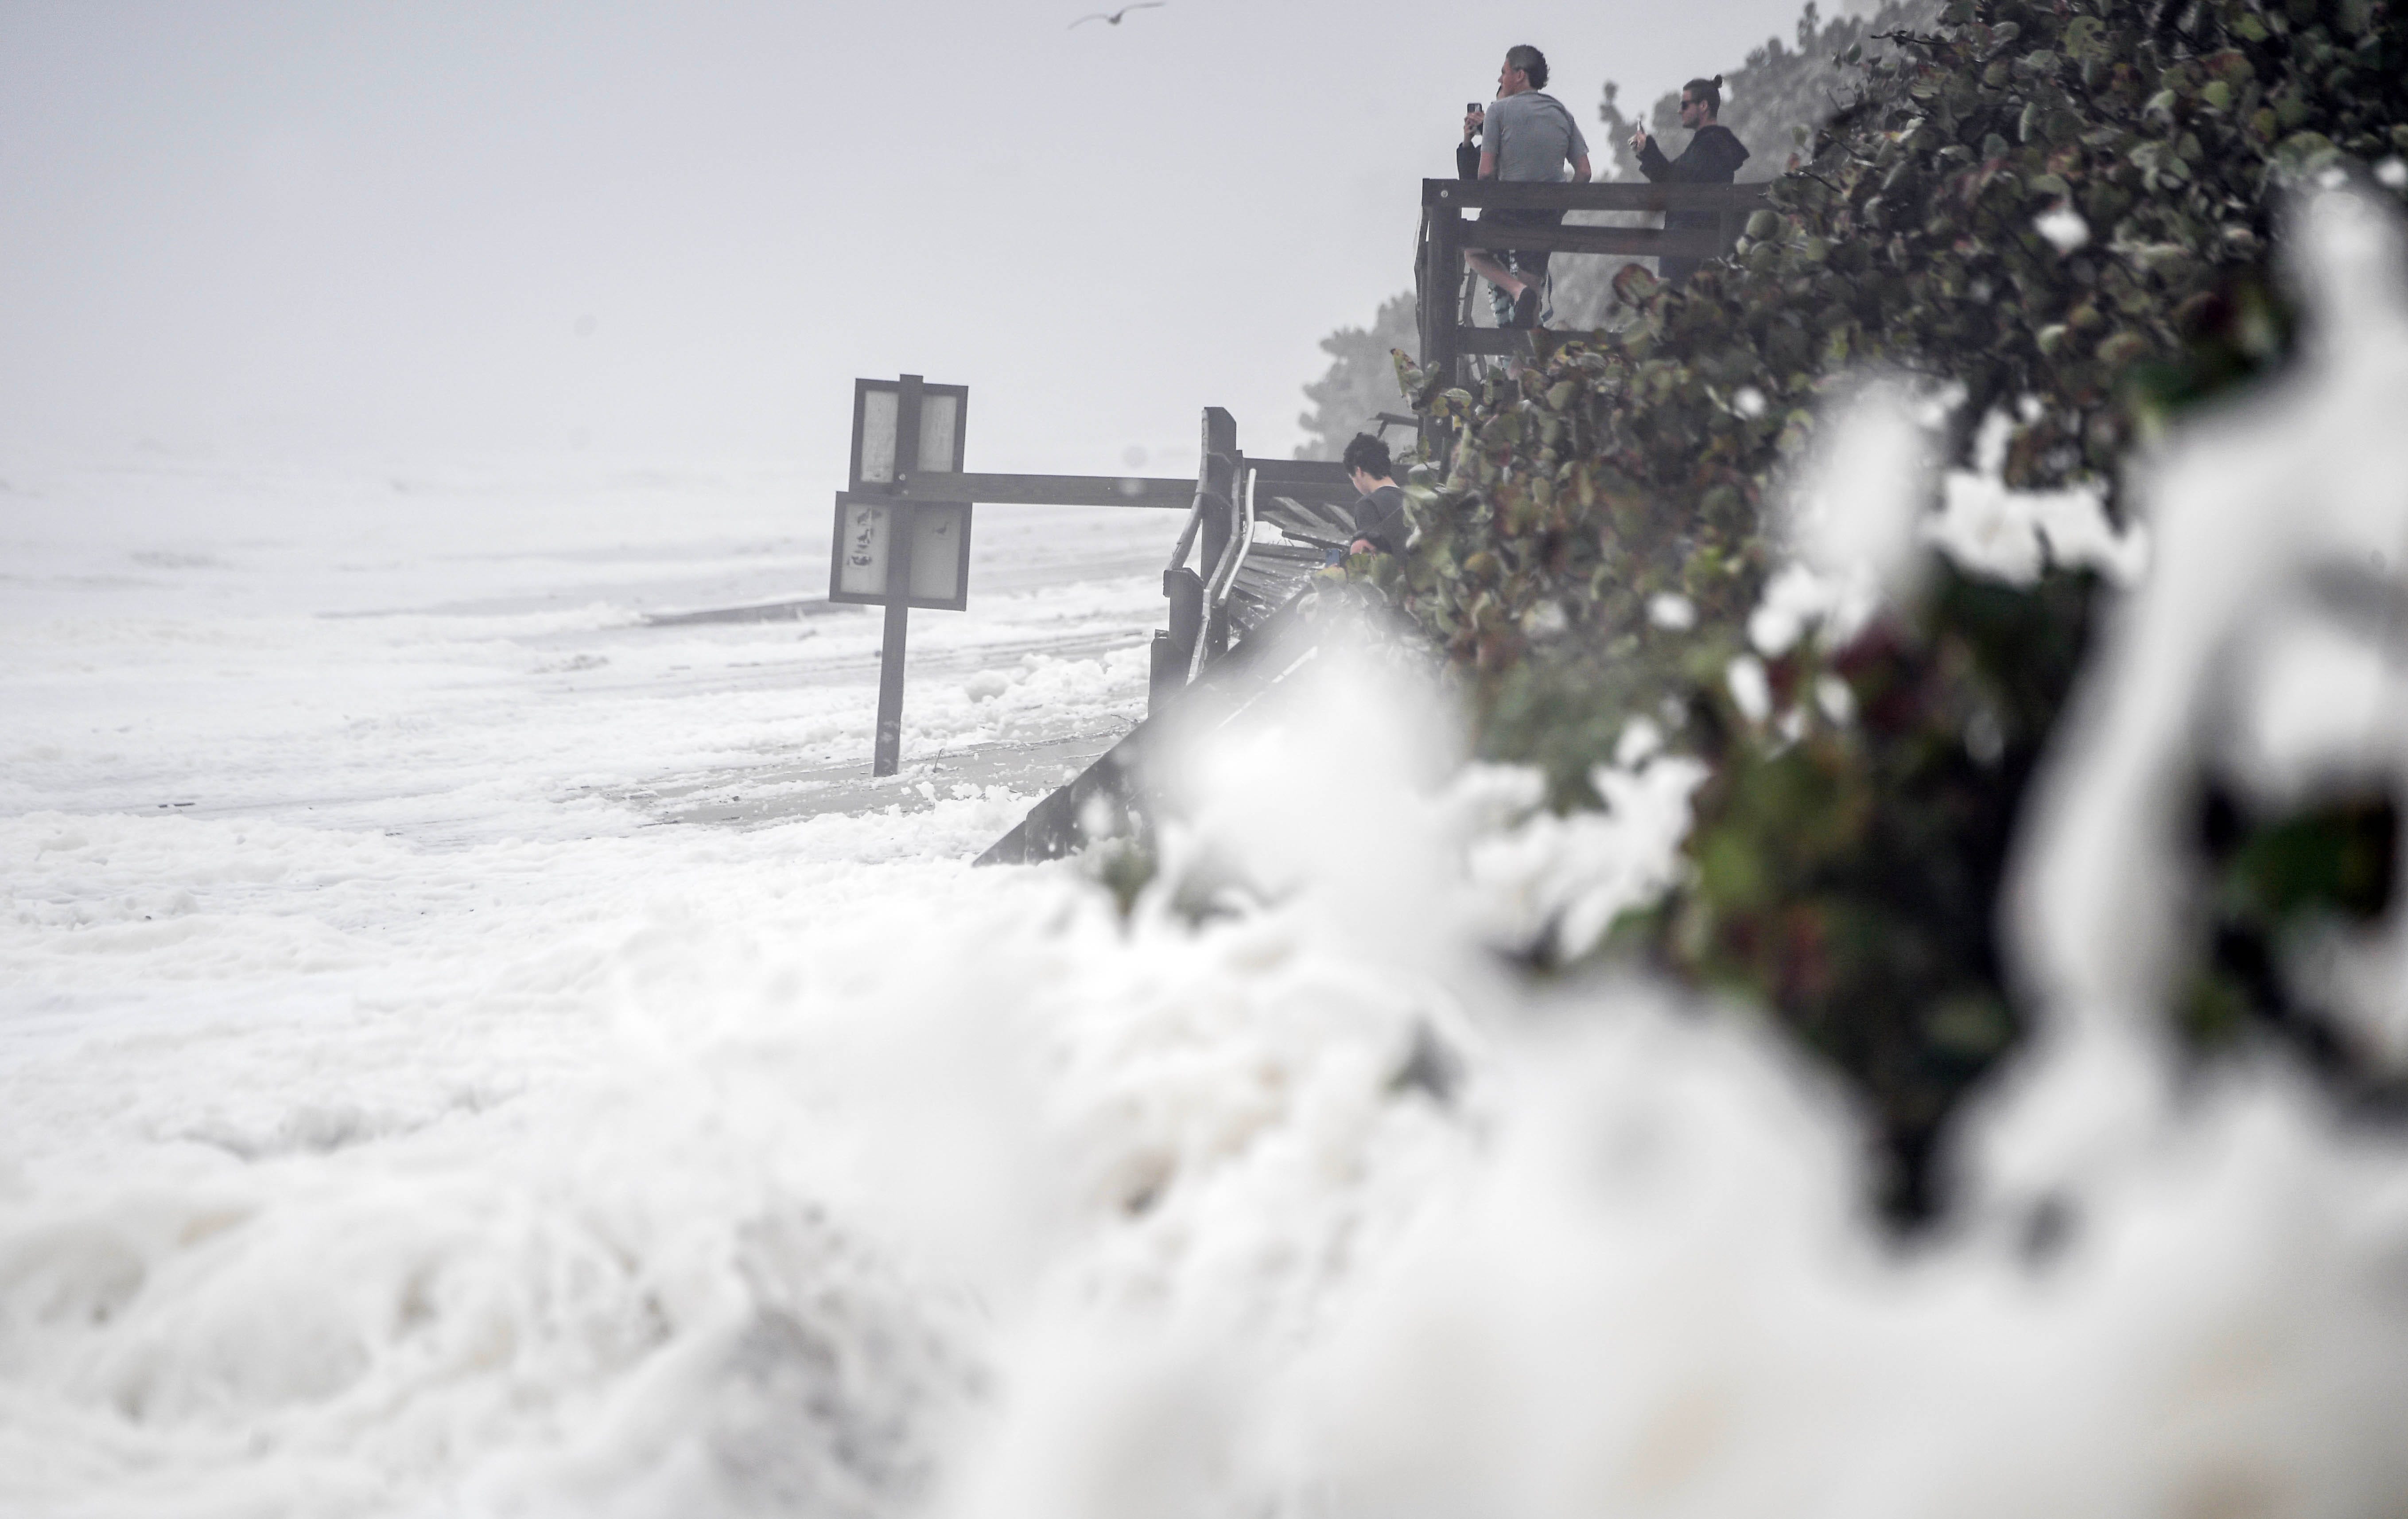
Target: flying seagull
{"x": 1114, "y": 19}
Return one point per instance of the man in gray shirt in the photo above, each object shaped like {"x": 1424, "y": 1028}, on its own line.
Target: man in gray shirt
{"x": 1525, "y": 138}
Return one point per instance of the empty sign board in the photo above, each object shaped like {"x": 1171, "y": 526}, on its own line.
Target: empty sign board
{"x": 940, "y": 550}
{"x": 877, "y": 407}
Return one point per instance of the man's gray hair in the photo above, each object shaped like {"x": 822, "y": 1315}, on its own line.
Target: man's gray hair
{"x": 1531, "y": 61}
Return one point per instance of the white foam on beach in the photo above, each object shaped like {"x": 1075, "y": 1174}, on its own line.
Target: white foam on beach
{"x": 414, "y": 1123}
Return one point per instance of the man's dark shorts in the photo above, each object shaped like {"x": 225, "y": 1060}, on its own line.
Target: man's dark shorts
{"x": 1522, "y": 261}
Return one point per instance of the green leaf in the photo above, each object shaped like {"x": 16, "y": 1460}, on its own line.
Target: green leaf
{"x": 2122, "y": 348}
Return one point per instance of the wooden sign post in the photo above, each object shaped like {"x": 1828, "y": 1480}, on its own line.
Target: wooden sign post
{"x": 892, "y": 551}
{"x": 903, "y": 527}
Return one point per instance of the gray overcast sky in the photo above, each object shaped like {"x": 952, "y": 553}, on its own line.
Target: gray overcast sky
{"x": 427, "y": 230}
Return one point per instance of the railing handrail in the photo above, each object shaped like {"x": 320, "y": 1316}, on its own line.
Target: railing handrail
{"x": 1245, "y": 539}
{"x": 1219, "y": 578}
{"x": 1187, "y": 533}
{"x": 1609, "y": 195}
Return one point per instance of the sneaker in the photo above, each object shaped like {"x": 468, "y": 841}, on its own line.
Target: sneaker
{"x": 1526, "y": 307}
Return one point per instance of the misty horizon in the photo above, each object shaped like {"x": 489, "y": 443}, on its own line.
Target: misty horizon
{"x": 396, "y": 234}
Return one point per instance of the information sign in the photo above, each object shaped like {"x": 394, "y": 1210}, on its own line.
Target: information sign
{"x": 893, "y": 552}
{"x": 940, "y": 552}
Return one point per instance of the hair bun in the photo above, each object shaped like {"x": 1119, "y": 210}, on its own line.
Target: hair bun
{"x": 1718, "y": 81}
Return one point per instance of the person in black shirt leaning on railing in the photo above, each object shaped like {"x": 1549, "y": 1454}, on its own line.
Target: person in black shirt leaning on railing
{"x": 1527, "y": 136}
{"x": 1380, "y": 525}
{"x": 1712, "y": 157}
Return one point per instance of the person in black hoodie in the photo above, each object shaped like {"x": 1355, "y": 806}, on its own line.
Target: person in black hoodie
{"x": 1712, "y": 157}
{"x": 1379, "y": 522}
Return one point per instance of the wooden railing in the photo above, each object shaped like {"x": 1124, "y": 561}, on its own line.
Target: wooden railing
{"x": 1225, "y": 592}
{"x": 1446, "y": 236}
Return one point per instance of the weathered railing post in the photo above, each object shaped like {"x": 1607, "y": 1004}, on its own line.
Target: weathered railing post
{"x": 1439, "y": 346}
{"x": 1174, "y": 648}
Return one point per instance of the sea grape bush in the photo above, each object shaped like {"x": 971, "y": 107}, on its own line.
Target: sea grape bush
{"x": 2058, "y": 213}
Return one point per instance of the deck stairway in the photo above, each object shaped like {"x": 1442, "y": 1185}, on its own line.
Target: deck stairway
{"x": 1289, "y": 543}
{"x": 1259, "y": 529}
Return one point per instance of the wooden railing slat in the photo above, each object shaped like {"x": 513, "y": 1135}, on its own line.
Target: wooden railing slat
{"x": 1613, "y": 196}
{"x": 1634, "y": 240}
